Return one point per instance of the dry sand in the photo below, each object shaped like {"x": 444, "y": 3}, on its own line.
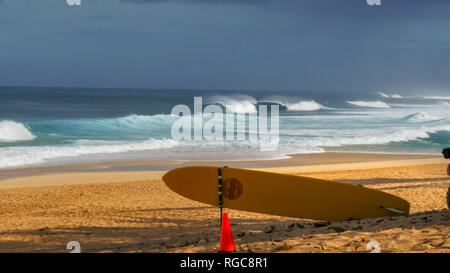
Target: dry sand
{"x": 136, "y": 212}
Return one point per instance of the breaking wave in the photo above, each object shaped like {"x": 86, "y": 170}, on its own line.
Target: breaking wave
{"x": 370, "y": 104}
{"x": 240, "y": 104}
{"x": 421, "y": 117}
{"x": 295, "y": 104}
{"x": 25, "y": 155}
{"x": 392, "y": 96}
{"x": 321, "y": 138}
{"x": 12, "y": 131}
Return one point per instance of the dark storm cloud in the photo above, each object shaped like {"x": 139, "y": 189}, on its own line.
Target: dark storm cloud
{"x": 227, "y": 44}
{"x": 355, "y": 8}
{"x": 246, "y": 2}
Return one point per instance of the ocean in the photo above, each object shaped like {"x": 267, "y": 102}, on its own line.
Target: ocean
{"x": 57, "y": 126}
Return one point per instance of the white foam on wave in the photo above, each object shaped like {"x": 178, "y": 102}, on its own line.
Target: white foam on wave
{"x": 370, "y": 104}
{"x": 294, "y": 104}
{"x": 384, "y": 95}
{"x": 336, "y": 138}
{"x": 240, "y": 104}
{"x": 436, "y": 97}
{"x": 31, "y": 155}
{"x": 421, "y": 117}
{"x": 304, "y": 106}
{"x": 392, "y": 96}
{"x": 131, "y": 121}
{"x": 12, "y": 131}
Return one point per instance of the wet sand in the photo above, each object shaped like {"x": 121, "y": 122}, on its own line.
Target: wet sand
{"x": 133, "y": 211}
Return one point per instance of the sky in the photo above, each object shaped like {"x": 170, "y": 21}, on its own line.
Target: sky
{"x": 402, "y": 46}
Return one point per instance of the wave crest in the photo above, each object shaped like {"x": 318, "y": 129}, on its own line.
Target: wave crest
{"x": 320, "y": 138}
{"x": 240, "y": 104}
{"x": 370, "y": 104}
{"x": 12, "y": 131}
{"x": 296, "y": 105}
{"x": 392, "y": 96}
{"x": 21, "y": 156}
{"x": 420, "y": 117}
{"x": 304, "y": 106}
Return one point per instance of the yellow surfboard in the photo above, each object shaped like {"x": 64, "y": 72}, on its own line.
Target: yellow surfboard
{"x": 284, "y": 195}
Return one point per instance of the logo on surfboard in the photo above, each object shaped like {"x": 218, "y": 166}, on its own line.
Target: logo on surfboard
{"x": 232, "y": 188}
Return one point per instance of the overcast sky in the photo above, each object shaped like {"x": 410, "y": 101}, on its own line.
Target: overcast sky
{"x": 402, "y": 45}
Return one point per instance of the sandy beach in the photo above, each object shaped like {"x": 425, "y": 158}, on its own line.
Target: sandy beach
{"x": 117, "y": 208}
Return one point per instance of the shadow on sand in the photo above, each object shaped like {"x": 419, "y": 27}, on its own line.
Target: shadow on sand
{"x": 191, "y": 234}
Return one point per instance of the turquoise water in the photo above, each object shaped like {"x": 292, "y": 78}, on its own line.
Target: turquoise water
{"x": 49, "y": 126}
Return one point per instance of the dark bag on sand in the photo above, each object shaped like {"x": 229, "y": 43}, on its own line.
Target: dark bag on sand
{"x": 448, "y": 197}
{"x": 446, "y": 153}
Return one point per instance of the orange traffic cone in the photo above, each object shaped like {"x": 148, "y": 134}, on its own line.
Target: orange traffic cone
{"x": 226, "y": 237}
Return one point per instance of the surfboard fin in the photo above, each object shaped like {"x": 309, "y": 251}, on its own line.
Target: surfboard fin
{"x": 394, "y": 210}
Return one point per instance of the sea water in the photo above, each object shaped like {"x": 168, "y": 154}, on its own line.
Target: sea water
{"x": 52, "y": 126}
